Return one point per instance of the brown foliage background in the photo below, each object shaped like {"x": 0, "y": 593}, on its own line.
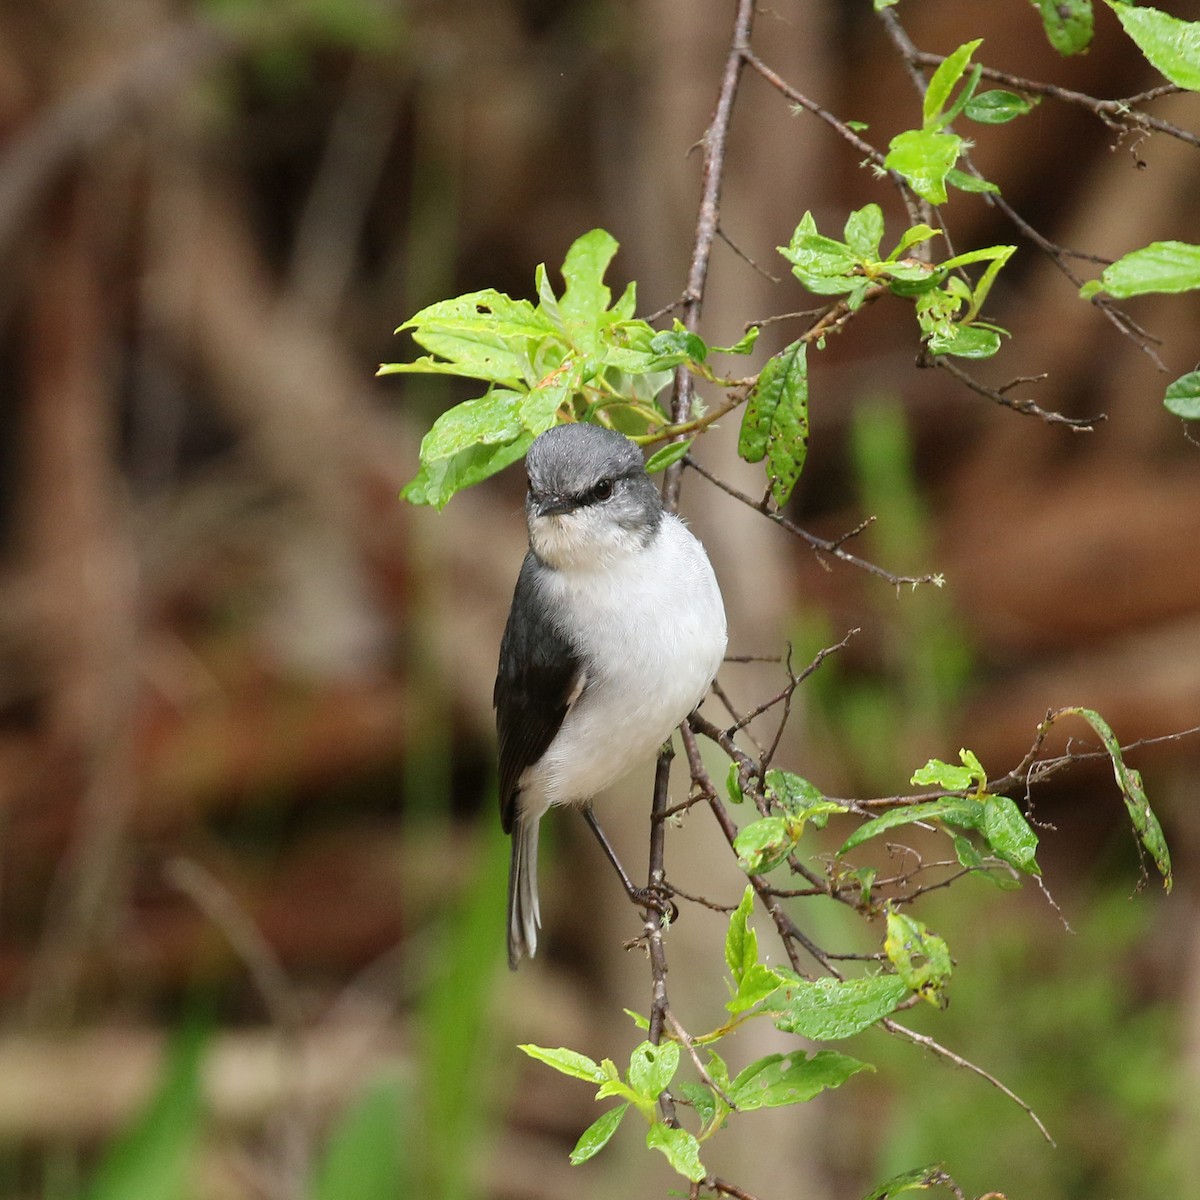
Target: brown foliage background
{"x": 245, "y": 728}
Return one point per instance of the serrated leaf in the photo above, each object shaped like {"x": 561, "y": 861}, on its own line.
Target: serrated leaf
{"x": 1068, "y": 24}
{"x": 1168, "y": 267}
{"x": 795, "y": 1078}
{"x": 828, "y": 1009}
{"x": 597, "y": 1135}
{"x": 921, "y": 958}
{"x": 568, "y": 1062}
{"x": 864, "y": 231}
{"x": 949, "y": 72}
{"x": 997, "y": 107}
{"x": 1145, "y": 823}
{"x": 1009, "y": 834}
{"x": 924, "y": 157}
{"x": 963, "y": 813}
{"x": 741, "y": 942}
{"x": 1183, "y": 396}
{"x": 680, "y": 1147}
{"x": 651, "y": 1068}
{"x": 754, "y": 987}
{"x": 492, "y": 419}
{"x": 1171, "y": 45}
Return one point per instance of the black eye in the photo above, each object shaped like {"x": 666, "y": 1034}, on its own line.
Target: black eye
{"x": 603, "y": 489}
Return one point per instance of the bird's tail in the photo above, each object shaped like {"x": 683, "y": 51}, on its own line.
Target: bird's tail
{"x": 524, "y": 915}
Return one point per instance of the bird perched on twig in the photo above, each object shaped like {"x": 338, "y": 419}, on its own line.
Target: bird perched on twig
{"x": 616, "y": 631}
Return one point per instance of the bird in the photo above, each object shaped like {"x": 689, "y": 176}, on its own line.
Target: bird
{"x": 616, "y": 632}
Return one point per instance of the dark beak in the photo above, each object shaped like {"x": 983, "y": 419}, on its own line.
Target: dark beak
{"x": 552, "y": 506}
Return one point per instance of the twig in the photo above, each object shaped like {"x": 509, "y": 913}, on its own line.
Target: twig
{"x": 999, "y": 396}
{"x": 822, "y": 545}
{"x": 957, "y": 1059}
{"x": 707, "y": 222}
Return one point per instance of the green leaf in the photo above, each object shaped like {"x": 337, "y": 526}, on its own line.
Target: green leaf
{"x": 949, "y": 72}
{"x": 1068, "y": 24}
{"x": 965, "y": 341}
{"x": 1009, "y": 835}
{"x": 924, "y": 157}
{"x": 701, "y": 1097}
{"x": 997, "y": 107}
{"x": 680, "y": 1147}
{"x": 651, "y": 1068}
{"x": 364, "y": 1158}
{"x": 936, "y": 773}
{"x": 864, "y": 231}
{"x": 799, "y": 798}
{"x": 912, "y": 235}
{"x": 1171, "y": 46}
{"x": 733, "y": 784}
{"x": 829, "y": 1009}
{"x": 597, "y": 1135}
{"x": 741, "y": 942}
{"x": 775, "y": 422}
{"x": 568, "y": 1062}
{"x": 965, "y": 852}
{"x": 636, "y": 1017}
{"x": 920, "y": 957}
{"x": 743, "y": 345}
{"x": 438, "y": 480}
{"x": 754, "y": 987}
{"x": 966, "y": 182}
{"x": 661, "y": 459}
{"x": 764, "y": 844}
{"x": 493, "y": 419}
{"x": 156, "y": 1155}
{"x": 1159, "y": 267}
{"x": 919, "y": 1180}
{"x": 966, "y": 814}
{"x": 1183, "y": 396}
{"x": 794, "y": 1078}
{"x": 680, "y": 341}
{"x": 1145, "y": 823}
{"x": 585, "y": 300}
{"x": 825, "y": 267}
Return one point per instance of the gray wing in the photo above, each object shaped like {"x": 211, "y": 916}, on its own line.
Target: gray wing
{"x": 539, "y": 677}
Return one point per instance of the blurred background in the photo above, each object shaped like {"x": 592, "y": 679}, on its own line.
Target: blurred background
{"x": 251, "y": 877}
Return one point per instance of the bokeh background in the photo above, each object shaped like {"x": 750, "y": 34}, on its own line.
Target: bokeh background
{"x": 249, "y": 861}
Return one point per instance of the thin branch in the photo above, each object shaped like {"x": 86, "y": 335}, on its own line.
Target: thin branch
{"x": 1000, "y": 396}
{"x": 707, "y": 222}
{"x": 921, "y": 1039}
{"x": 821, "y": 545}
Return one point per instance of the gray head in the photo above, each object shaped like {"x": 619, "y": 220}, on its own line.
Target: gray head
{"x": 589, "y": 496}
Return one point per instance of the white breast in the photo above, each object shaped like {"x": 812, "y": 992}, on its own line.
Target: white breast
{"x": 651, "y": 626}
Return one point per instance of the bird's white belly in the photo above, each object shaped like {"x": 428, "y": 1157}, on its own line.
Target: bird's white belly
{"x": 657, "y": 623}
